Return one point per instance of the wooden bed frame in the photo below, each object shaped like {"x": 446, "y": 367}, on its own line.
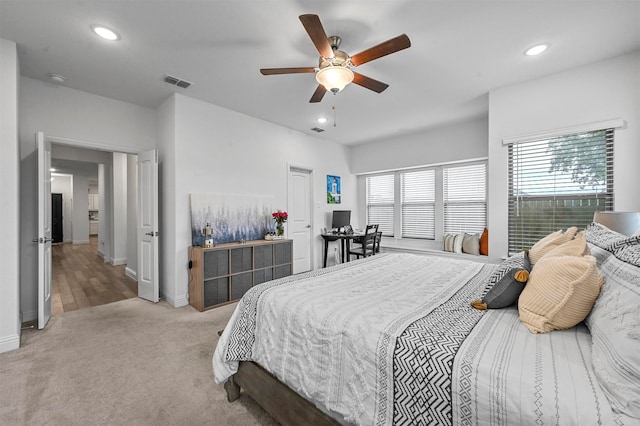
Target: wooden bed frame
{"x": 276, "y": 398}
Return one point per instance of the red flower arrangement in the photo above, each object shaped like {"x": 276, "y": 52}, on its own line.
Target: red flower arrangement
{"x": 280, "y": 216}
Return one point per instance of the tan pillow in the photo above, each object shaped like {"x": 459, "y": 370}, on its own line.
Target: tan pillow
{"x": 560, "y": 293}
{"x": 550, "y": 242}
{"x": 576, "y": 247}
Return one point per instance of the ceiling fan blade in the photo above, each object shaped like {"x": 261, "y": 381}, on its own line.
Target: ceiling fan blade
{"x": 318, "y": 94}
{"x": 378, "y": 51}
{"x": 318, "y": 36}
{"x": 273, "y": 71}
{"x": 369, "y": 83}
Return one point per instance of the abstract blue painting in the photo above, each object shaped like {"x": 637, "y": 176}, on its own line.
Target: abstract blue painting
{"x": 232, "y": 217}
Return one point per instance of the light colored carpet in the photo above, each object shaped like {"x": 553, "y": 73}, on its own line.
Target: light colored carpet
{"x": 130, "y": 362}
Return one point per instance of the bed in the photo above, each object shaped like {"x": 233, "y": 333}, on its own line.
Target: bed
{"x": 392, "y": 339}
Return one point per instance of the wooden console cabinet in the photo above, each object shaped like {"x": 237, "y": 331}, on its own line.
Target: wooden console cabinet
{"x": 222, "y": 274}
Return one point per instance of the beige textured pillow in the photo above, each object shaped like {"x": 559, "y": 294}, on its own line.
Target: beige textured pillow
{"x": 550, "y": 242}
{"x": 576, "y": 247}
{"x": 471, "y": 244}
{"x": 560, "y": 293}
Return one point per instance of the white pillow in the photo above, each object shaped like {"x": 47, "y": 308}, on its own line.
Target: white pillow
{"x": 457, "y": 243}
{"x": 615, "y": 329}
{"x": 471, "y": 244}
{"x": 448, "y": 242}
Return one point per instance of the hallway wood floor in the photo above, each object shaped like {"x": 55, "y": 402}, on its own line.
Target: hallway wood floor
{"x": 81, "y": 279}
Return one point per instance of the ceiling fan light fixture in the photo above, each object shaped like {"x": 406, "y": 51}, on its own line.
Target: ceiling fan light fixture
{"x": 334, "y": 78}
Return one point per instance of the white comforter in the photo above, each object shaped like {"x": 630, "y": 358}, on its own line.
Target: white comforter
{"x": 354, "y": 339}
{"x": 505, "y": 375}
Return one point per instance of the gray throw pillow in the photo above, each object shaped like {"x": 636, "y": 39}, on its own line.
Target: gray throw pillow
{"x": 506, "y": 283}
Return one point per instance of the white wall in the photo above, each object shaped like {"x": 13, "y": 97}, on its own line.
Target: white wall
{"x": 211, "y": 149}
{"x": 81, "y": 209}
{"x": 63, "y": 184}
{"x": 593, "y": 93}
{"x": 119, "y": 210}
{"x": 455, "y": 142}
{"x": 462, "y": 141}
{"x": 9, "y": 193}
{"x": 72, "y": 115}
{"x": 167, "y": 199}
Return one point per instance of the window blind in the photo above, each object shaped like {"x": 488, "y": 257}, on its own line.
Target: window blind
{"x": 380, "y": 202}
{"x": 465, "y": 198}
{"x": 557, "y": 183}
{"x": 418, "y": 192}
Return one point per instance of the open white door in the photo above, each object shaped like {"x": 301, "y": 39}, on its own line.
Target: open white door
{"x": 300, "y": 218}
{"x": 148, "y": 277}
{"x": 44, "y": 230}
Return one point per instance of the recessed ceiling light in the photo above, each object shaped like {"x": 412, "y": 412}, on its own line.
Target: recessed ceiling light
{"x": 105, "y": 33}
{"x": 536, "y": 50}
{"x": 321, "y": 120}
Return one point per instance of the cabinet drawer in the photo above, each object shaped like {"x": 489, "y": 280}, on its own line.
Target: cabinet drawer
{"x": 262, "y": 275}
{"x": 216, "y": 291}
{"x": 282, "y": 271}
{"x": 262, "y": 256}
{"x": 240, "y": 284}
{"x": 216, "y": 263}
{"x": 282, "y": 253}
{"x": 241, "y": 260}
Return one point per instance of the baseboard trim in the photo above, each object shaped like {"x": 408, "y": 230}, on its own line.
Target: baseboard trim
{"x": 177, "y": 302}
{"x": 80, "y": 241}
{"x": 10, "y": 343}
{"x": 119, "y": 261}
{"x": 29, "y": 316}
{"x": 131, "y": 273}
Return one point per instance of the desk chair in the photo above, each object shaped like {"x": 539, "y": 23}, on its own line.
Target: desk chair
{"x": 366, "y": 243}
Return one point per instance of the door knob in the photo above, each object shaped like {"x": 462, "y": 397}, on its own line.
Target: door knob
{"x": 42, "y": 240}
{"x": 308, "y": 226}
{"x": 149, "y": 234}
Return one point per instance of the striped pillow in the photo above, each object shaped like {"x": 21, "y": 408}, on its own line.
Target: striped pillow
{"x": 548, "y": 243}
{"x": 560, "y": 293}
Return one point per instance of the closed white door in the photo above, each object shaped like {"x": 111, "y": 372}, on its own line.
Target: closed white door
{"x": 300, "y": 218}
{"x": 44, "y": 230}
{"x": 148, "y": 277}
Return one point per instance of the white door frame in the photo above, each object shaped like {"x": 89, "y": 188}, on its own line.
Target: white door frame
{"x": 43, "y": 239}
{"x": 292, "y": 167}
{"x": 96, "y": 146}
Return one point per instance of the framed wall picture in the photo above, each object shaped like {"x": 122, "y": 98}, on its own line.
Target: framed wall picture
{"x": 333, "y": 189}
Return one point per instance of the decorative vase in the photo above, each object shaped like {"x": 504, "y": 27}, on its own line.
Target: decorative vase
{"x": 279, "y": 229}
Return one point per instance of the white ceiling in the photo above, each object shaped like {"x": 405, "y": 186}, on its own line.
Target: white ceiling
{"x": 460, "y": 51}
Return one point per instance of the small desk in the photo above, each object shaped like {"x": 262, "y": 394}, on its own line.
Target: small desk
{"x": 345, "y": 242}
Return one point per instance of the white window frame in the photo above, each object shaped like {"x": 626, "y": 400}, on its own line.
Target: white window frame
{"x": 439, "y": 201}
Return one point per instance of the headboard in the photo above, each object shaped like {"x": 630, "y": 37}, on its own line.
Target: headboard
{"x": 626, "y": 223}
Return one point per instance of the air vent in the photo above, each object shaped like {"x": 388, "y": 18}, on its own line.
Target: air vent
{"x": 317, "y": 129}
{"x": 177, "y": 82}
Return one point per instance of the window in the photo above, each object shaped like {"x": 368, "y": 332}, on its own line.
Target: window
{"x": 380, "y": 202}
{"x": 465, "y": 198}
{"x": 418, "y": 191}
{"x": 427, "y": 202}
{"x": 555, "y": 183}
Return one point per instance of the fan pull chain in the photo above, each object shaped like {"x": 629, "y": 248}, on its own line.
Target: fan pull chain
{"x": 333, "y": 107}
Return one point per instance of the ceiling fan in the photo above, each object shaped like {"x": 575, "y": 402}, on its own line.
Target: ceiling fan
{"x": 334, "y": 70}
